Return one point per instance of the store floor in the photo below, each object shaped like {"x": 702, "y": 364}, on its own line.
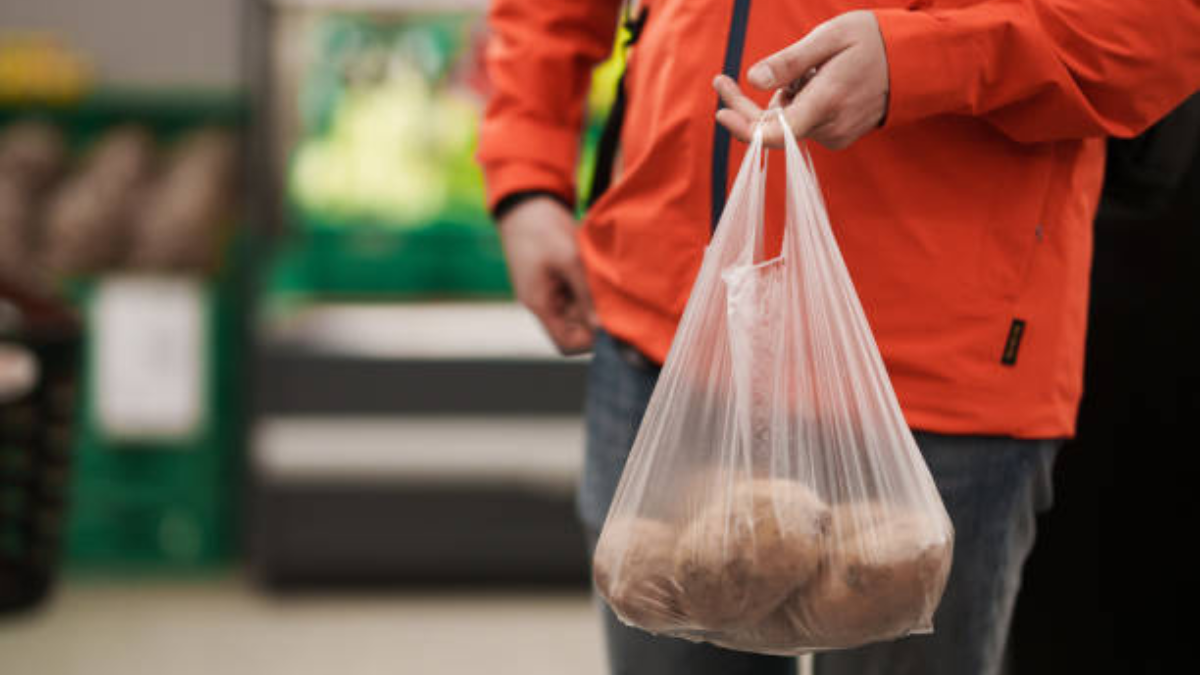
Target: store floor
{"x": 226, "y": 627}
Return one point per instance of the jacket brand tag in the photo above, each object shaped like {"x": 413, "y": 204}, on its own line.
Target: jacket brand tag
{"x": 1015, "y": 331}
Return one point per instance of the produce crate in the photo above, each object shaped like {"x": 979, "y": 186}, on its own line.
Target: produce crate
{"x": 451, "y": 256}
{"x": 163, "y": 500}
{"x": 377, "y": 123}
{"x": 166, "y": 115}
{"x": 167, "y": 501}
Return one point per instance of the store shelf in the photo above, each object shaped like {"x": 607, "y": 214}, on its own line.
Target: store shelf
{"x": 453, "y": 330}
{"x": 524, "y": 452}
{"x": 406, "y": 443}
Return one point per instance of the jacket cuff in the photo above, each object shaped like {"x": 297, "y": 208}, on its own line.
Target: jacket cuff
{"x": 511, "y": 178}
{"x": 930, "y": 62}
{"x": 512, "y": 200}
{"x": 521, "y": 155}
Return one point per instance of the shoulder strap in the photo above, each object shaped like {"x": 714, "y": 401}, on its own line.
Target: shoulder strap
{"x": 610, "y": 137}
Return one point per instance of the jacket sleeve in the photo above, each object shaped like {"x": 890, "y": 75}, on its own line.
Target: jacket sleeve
{"x": 1042, "y": 70}
{"x": 539, "y": 60}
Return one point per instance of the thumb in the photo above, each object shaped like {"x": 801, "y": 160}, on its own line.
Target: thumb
{"x": 795, "y": 61}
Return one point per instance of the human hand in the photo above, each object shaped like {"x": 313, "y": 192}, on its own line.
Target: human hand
{"x": 832, "y": 85}
{"x": 547, "y": 274}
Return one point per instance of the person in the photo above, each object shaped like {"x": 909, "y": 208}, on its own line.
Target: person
{"x": 960, "y": 148}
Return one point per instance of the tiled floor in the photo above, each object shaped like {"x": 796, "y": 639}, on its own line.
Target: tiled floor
{"x": 226, "y": 628}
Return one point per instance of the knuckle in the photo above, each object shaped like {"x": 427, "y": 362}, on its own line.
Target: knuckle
{"x": 833, "y": 30}
{"x": 788, "y": 63}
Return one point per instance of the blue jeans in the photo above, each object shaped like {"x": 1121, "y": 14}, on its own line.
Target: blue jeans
{"x": 993, "y": 489}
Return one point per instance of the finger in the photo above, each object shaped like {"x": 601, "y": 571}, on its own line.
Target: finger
{"x": 561, "y": 331}
{"x": 741, "y": 128}
{"x": 575, "y": 339}
{"x": 810, "y": 109}
{"x": 544, "y": 307}
{"x": 772, "y": 134}
{"x": 567, "y": 326}
{"x": 795, "y": 61}
{"x": 731, "y": 94}
{"x": 579, "y": 309}
{"x": 791, "y": 90}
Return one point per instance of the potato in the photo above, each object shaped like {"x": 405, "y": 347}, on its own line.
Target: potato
{"x": 122, "y": 158}
{"x": 89, "y": 218}
{"x": 744, "y": 554}
{"x": 179, "y": 228}
{"x": 849, "y": 518}
{"x": 33, "y": 153}
{"x": 782, "y": 631}
{"x": 210, "y": 152}
{"x": 16, "y": 214}
{"x": 880, "y": 583}
{"x": 632, "y": 570}
{"x": 86, "y": 228}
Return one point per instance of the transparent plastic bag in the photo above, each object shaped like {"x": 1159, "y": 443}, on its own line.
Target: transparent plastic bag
{"x": 775, "y": 500}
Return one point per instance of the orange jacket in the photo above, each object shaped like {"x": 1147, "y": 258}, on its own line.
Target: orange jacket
{"x": 965, "y": 221}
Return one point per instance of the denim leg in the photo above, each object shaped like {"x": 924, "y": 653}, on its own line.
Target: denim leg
{"x": 993, "y": 489}
{"x": 619, "y": 388}
{"x": 618, "y": 391}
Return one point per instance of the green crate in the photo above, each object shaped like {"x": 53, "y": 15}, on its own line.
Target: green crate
{"x": 164, "y": 503}
{"x": 161, "y": 504}
{"x": 166, "y": 115}
{"x": 457, "y": 256}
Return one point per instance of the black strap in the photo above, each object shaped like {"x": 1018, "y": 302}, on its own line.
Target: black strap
{"x": 610, "y": 138}
{"x": 512, "y": 200}
{"x": 733, "y": 65}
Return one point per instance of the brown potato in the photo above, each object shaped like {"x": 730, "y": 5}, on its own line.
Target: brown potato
{"x": 782, "y": 631}
{"x": 849, "y": 518}
{"x": 744, "y": 554}
{"x": 86, "y": 228}
{"x": 16, "y": 215}
{"x": 883, "y": 582}
{"x": 89, "y": 217}
{"x": 180, "y": 225}
{"x": 33, "y": 153}
{"x": 632, "y": 569}
{"x": 123, "y": 157}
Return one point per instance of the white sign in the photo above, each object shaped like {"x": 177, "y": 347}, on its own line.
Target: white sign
{"x": 148, "y": 356}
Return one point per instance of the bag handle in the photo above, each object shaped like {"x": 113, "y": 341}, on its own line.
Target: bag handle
{"x": 742, "y": 231}
{"x": 803, "y": 195}
{"x": 758, "y": 154}
{"x": 801, "y": 180}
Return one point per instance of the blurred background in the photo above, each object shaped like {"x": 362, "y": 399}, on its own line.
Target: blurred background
{"x": 266, "y": 403}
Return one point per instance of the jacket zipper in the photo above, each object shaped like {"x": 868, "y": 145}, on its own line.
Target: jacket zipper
{"x": 733, "y": 65}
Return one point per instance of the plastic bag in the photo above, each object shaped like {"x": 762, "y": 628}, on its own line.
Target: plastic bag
{"x": 775, "y": 500}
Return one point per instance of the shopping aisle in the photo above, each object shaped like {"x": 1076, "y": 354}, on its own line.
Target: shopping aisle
{"x": 225, "y": 627}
